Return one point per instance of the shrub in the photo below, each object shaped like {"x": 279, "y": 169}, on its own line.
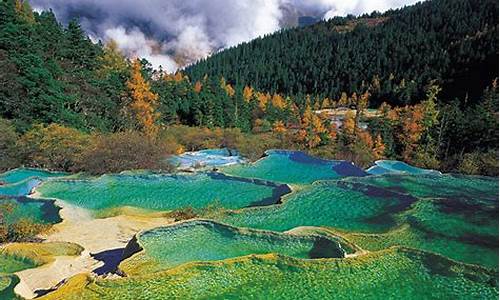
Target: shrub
{"x": 185, "y": 213}
{"x": 53, "y": 147}
{"x": 113, "y": 153}
{"x": 476, "y": 163}
{"x": 24, "y": 230}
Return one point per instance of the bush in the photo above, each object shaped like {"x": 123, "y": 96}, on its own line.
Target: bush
{"x": 477, "y": 163}
{"x": 113, "y": 153}
{"x": 25, "y": 230}
{"x": 53, "y": 147}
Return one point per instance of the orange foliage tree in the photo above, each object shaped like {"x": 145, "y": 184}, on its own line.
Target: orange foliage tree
{"x": 144, "y": 102}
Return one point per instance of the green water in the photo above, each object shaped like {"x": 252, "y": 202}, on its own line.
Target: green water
{"x": 460, "y": 221}
{"x": 20, "y": 182}
{"x": 20, "y": 188}
{"x": 291, "y": 167}
{"x": 207, "y": 241}
{"x": 327, "y": 203}
{"x": 38, "y": 211}
{"x": 159, "y": 192}
{"x": 391, "y": 274}
{"x": 469, "y": 234}
{"x": 438, "y": 186}
{"x": 21, "y": 174}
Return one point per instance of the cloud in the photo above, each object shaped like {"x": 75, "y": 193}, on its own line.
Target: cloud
{"x": 172, "y": 33}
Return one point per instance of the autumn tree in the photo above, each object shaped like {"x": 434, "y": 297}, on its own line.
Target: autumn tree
{"x": 248, "y": 93}
{"x": 312, "y": 130}
{"x": 378, "y": 147}
{"x": 143, "y": 102}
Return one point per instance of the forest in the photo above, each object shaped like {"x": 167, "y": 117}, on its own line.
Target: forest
{"x": 67, "y": 103}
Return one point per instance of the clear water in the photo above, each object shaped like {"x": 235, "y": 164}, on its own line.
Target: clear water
{"x": 21, "y": 188}
{"x": 207, "y": 158}
{"x": 332, "y": 204}
{"x": 208, "y": 241}
{"x": 162, "y": 192}
{"x": 397, "y": 167}
{"x": 20, "y": 182}
{"x": 293, "y": 167}
{"x": 476, "y": 188}
{"x": 37, "y": 211}
{"x": 21, "y": 174}
{"x": 391, "y": 274}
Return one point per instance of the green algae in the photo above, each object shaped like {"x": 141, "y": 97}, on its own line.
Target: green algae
{"x": 293, "y": 167}
{"x": 163, "y": 192}
{"x": 12, "y": 263}
{"x": 7, "y": 285}
{"x": 203, "y": 240}
{"x": 327, "y": 203}
{"x": 396, "y": 273}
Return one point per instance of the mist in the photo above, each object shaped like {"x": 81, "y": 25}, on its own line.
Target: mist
{"x": 174, "y": 33}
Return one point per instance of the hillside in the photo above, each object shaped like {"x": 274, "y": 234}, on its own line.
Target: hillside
{"x": 454, "y": 42}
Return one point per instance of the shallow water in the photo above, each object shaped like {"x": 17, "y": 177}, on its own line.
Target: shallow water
{"x": 38, "y": 211}
{"x": 163, "y": 192}
{"x": 21, "y": 188}
{"x": 383, "y": 167}
{"x": 392, "y": 274}
{"x": 208, "y": 241}
{"x": 20, "y": 182}
{"x": 329, "y": 203}
{"x": 21, "y": 174}
{"x": 293, "y": 167}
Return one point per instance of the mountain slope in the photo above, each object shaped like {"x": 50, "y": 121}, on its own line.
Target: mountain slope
{"x": 452, "y": 41}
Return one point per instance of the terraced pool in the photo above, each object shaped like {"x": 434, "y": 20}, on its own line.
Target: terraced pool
{"x": 20, "y": 182}
{"x": 21, "y": 174}
{"x": 38, "y": 211}
{"x": 203, "y": 240}
{"x": 293, "y": 167}
{"x": 341, "y": 205}
{"x": 393, "y": 273}
{"x": 383, "y": 167}
{"x": 164, "y": 192}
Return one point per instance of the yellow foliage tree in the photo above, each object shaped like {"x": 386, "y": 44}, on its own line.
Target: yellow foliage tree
{"x": 326, "y": 103}
{"x": 344, "y": 100}
{"x": 278, "y": 101}
{"x": 378, "y": 147}
{"x": 263, "y": 99}
{"x": 247, "y": 93}
{"x": 279, "y": 127}
{"x": 144, "y": 102}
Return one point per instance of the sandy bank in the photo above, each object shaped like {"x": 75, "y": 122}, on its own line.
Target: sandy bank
{"x": 94, "y": 235}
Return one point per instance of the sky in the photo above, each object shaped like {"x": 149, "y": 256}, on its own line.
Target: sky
{"x": 173, "y": 33}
